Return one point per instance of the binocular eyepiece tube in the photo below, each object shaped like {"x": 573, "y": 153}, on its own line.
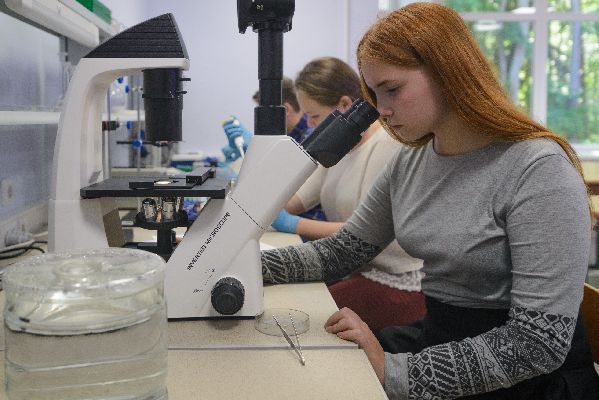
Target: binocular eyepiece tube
{"x": 340, "y": 132}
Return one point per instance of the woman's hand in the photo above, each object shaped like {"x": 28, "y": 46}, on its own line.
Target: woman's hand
{"x": 286, "y": 222}
{"x": 347, "y": 325}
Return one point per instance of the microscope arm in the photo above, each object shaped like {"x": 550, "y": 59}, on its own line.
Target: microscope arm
{"x": 224, "y": 240}
{"x": 220, "y": 253}
{"x": 219, "y": 258}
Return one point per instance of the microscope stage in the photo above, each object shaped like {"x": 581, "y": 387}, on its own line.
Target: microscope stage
{"x": 190, "y": 185}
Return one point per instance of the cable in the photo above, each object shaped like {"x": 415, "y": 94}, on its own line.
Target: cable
{"x": 40, "y": 234}
{"x": 20, "y": 251}
{"x": 21, "y": 246}
{"x": 17, "y": 246}
{"x": 15, "y": 249}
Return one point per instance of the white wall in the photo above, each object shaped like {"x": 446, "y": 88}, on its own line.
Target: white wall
{"x": 128, "y": 12}
{"x": 224, "y": 63}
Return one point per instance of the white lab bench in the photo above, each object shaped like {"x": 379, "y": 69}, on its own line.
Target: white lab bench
{"x": 312, "y": 298}
{"x": 225, "y": 359}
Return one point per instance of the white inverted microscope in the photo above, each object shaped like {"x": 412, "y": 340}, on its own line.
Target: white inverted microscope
{"x": 215, "y": 271}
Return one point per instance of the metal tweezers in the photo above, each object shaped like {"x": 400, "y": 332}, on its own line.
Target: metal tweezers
{"x": 298, "y": 348}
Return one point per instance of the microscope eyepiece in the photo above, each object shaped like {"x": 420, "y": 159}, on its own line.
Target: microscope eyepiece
{"x": 339, "y": 133}
{"x": 362, "y": 113}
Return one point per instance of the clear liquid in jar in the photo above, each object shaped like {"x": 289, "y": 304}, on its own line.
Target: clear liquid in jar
{"x": 125, "y": 364}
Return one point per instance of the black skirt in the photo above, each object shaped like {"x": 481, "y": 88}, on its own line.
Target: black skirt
{"x": 576, "y": 379}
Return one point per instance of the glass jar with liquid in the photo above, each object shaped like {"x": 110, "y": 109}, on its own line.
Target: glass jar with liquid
{"x": 88, "y": 324}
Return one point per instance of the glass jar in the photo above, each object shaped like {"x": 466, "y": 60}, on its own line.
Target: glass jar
{"x": 86, "y": 324}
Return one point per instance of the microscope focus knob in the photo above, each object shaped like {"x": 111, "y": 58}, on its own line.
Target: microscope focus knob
{"x": 227, "y": 296}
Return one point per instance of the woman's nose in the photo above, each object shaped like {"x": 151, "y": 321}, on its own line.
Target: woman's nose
{"x": 385, "y": 112}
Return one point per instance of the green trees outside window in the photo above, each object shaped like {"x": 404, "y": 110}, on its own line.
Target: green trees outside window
{"x": 546, "y": 53}
{"x": 573, "y": 80}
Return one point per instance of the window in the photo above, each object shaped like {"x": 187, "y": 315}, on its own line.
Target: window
{"x": 546, "y": 53}
{"x": 573, "y": 80}
{"x": 509, "y": 46}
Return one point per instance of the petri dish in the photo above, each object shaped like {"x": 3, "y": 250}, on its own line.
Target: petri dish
{"x": 266, "y": 324}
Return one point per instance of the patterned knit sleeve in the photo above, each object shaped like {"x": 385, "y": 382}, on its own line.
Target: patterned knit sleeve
{"x": 326, "y": 259}
{"x": 530, "y": 344}
{"x": 548, "y": 226}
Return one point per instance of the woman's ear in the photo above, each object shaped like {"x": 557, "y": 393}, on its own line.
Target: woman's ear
{"x": 344, "y": 103}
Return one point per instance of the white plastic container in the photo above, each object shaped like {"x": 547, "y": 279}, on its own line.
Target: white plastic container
{"x": 86, "y": 325}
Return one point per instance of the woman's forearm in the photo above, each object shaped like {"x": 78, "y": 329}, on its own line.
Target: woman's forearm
{"x": 308, "y": 228}
{"x": 295, "y": 206}
{"x": 326, "y": 259}
{"x": 313, "y": 229}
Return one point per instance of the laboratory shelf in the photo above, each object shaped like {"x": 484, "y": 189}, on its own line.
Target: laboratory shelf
{"x": 19, "y": 117}
{"x": 106, "y": 29}
{"x": 29, "y": 118}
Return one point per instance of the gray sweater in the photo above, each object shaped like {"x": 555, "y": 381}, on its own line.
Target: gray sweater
{"x": 505, "y": 226}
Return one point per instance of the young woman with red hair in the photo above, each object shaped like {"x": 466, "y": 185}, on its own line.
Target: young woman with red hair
{"x": 495, "y": 205}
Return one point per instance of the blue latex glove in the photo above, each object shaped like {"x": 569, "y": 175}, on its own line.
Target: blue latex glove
{"x": 286, "y": 222}
{"x": 231, "y": 153}
{"x": 234, "y": 128}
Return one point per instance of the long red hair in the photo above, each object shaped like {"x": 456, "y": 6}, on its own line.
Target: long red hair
{"x": 435, "y": 37}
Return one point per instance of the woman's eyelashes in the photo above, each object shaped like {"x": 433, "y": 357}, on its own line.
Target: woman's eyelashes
{"x": 387, "y": 92}
{"x": 392, "y": 89}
